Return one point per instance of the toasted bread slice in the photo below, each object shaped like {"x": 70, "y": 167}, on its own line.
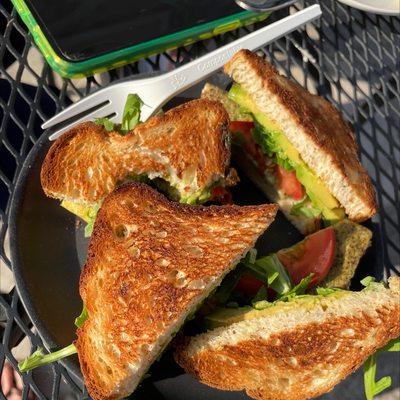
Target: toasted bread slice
{"x": 188, "y": 146}
{"x": 150, "y": 263}
{"x": 298, "y": 352}
{"x": 314, "y": 127}
{"x": 352, "y": 241}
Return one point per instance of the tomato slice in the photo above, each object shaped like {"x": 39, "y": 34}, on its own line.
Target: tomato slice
{"x": 248, "y": 285}
{"x": 314, "y": 254}
{"x": 221, "y": 195}
{"x": 244, "y": 127}
{"x": 249, "y": 146}
{"x": 288, "y": 182}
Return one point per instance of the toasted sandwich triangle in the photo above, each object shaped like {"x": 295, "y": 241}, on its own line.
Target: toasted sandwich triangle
{"x": 188, "y": 146}
{"x": 313, "y": 126}
{"x": 300, "y": 352}
{"x": 150, "y": 263}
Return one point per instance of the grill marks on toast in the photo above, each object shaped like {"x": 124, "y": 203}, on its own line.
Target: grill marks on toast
{"x": 316, "y": 128}
{"x": 298, "y": 354}
{"x": 189, "y": 142}
{"x": 150, "y": 262}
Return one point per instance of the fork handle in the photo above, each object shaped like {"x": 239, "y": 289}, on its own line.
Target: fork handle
{"x": 189, "y": 74}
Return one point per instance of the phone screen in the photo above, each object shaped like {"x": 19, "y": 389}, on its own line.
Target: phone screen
{"x": 82, "y": 29}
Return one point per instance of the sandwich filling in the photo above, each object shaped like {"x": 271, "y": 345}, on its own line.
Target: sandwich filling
{"x": 297, "y": 298}
{"x": 279, "y": 162}
{"x": 216, "y": 192}
{"x": 288, "y": 278}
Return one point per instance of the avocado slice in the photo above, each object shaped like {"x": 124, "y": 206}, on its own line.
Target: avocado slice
{"x": 84, "y": 211}
{"x": 316, "y": 190}
{"x": 222, "y": 316}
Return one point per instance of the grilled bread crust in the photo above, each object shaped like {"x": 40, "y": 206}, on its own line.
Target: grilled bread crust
{"x": 189, "y": 143}
{"x": 150, "y": 263}
{"x": 297, "y": 354}
{"x": 316, "y": 128}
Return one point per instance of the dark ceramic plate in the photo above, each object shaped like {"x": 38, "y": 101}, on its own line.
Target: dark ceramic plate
{"x": 48, "y": 250}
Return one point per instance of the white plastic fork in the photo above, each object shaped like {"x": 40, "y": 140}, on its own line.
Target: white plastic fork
{"x": 156, "y": 91}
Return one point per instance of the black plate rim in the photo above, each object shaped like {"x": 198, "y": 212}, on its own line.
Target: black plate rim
{"x": 20, "y": 283}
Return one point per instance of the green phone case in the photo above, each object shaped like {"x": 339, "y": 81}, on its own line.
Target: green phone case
{"x": 127, "y": 55}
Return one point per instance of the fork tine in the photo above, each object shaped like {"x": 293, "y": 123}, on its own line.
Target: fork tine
{"x": 87, "y": 103}
{"x": 101, "y": 112}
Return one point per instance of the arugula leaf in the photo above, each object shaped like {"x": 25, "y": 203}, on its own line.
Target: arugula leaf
{"x": 371, "y": 387}
{"x": 393, "y": 345}
{"x": 261, "y": 295}
{"x": 305, "y": 208}
{"x": 38, "y": 358}
{"x": 370, "y": 283}
{"x": 224, "y": 291}
{"x": 251, "y": 256}
{"x": 131, "y": 114}
{"x": 298, "y": 290}
{"x": 82, "y": 318}
{"x": 323, "y": 291}
{"x": 108, "y": 125}
{"x": 367, "y": 281}
{"x": 270, "y": 270}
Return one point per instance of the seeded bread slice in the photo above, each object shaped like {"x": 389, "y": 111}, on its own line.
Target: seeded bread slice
{"x": 150, "y": 263}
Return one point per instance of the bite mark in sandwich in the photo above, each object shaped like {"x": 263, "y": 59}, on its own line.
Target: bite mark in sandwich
{"x": 184, "y": 152}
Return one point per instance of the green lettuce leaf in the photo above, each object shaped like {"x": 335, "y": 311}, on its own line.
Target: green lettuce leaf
{"x": 266, "y": 140}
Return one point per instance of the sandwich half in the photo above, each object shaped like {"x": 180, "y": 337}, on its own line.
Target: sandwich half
{"x": 150, "y": 265}
{"x": 297, "y": 148}
{"x": 298, "y": 349}
{"x": 184, "y": 152}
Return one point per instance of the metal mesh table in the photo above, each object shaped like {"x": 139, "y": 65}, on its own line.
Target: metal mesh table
{"x": 350, "y": 57}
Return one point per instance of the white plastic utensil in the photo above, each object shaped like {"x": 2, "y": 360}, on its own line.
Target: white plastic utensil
{"x": 156, "y": 91}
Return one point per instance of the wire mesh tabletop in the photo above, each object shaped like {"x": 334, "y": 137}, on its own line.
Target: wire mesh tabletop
{"x": 348, "y": 56}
